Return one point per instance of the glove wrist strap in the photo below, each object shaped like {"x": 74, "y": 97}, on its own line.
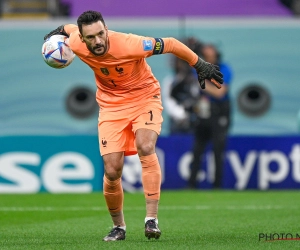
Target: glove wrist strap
{"x": 199, "y": 64}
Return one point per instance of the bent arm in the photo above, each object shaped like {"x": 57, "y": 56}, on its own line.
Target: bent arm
{"x": 65, "y": 30}
{"x": 210, "y": 89}
{"x": 69, "y": 28}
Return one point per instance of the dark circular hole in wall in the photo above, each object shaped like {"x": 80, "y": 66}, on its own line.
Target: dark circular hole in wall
{"x": 254, "y": 100}
{"x": 81, "y": 103}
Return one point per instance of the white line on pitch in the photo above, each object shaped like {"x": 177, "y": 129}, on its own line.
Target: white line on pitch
{"x": 248, "y": 207}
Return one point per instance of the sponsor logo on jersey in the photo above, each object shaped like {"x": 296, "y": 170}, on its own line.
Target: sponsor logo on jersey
{"x": 147, "y": 45}
{"x": 159, "y": 46}
{"x": 104, "y": 71}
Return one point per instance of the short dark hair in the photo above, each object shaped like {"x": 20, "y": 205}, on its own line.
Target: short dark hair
{"x": 89, "y": 17}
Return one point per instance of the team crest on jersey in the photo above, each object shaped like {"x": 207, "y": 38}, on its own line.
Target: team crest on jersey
{"x": 119, "y": 70}
{"x": 147, "y": 45}
{"x": 104, "y": 142}
{"x": 104, "y": 71}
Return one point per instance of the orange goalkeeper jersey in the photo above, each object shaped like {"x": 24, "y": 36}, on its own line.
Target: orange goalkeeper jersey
{"x": 123, "y": 77}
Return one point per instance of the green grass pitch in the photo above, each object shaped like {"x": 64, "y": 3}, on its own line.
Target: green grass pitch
{"x": 188, "y": 220}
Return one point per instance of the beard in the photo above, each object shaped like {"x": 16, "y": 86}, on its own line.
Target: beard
{"x": 97, "y": 50}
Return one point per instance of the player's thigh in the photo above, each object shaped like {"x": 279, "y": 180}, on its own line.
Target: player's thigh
{"x": 148, "y": 116}
{"x": 113, "y": 129}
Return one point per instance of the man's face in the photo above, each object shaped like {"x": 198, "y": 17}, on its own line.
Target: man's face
{"x": 95, "y": 37}
{"x": 209, "y": 54}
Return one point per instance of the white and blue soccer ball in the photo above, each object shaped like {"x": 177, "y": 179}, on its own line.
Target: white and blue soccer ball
{"x": 56, "y": 52}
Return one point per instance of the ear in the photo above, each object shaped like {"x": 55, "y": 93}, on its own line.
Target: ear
{"x": 81, "y": 38}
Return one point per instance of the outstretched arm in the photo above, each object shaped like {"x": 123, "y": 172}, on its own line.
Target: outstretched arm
{"x": 204, "y": 69}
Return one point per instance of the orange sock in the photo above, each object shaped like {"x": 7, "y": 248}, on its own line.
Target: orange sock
{"x": 151, "y": 176}
{"x": 113, "y": 193}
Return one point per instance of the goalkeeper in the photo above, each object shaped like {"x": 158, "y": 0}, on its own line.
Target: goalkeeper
{"x": 129, "y": 98}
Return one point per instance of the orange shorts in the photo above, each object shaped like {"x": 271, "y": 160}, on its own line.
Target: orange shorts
{"x": 117, "y": 129}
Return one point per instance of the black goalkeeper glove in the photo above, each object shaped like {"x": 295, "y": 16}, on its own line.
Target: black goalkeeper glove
{"x": 208, "y": 71}
{"x": 58, "y": 31}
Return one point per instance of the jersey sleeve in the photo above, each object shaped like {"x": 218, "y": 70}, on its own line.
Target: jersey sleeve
{"x": 132, "y": 46}
{"x": 172, "y": 45}
{"x": 140, "y": 46}
{"x": 69, "y": 28}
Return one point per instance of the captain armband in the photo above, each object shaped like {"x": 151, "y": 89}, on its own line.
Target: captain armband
{"x": 158, "y": 46}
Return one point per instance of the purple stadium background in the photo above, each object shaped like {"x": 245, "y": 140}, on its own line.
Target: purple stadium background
{"x": 173, "y": 8}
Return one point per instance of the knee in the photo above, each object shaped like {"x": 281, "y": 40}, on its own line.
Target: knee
{"x": 113, "y": 171}
{"x": 112, "y": 175}
{"x": 146, "y": 148}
